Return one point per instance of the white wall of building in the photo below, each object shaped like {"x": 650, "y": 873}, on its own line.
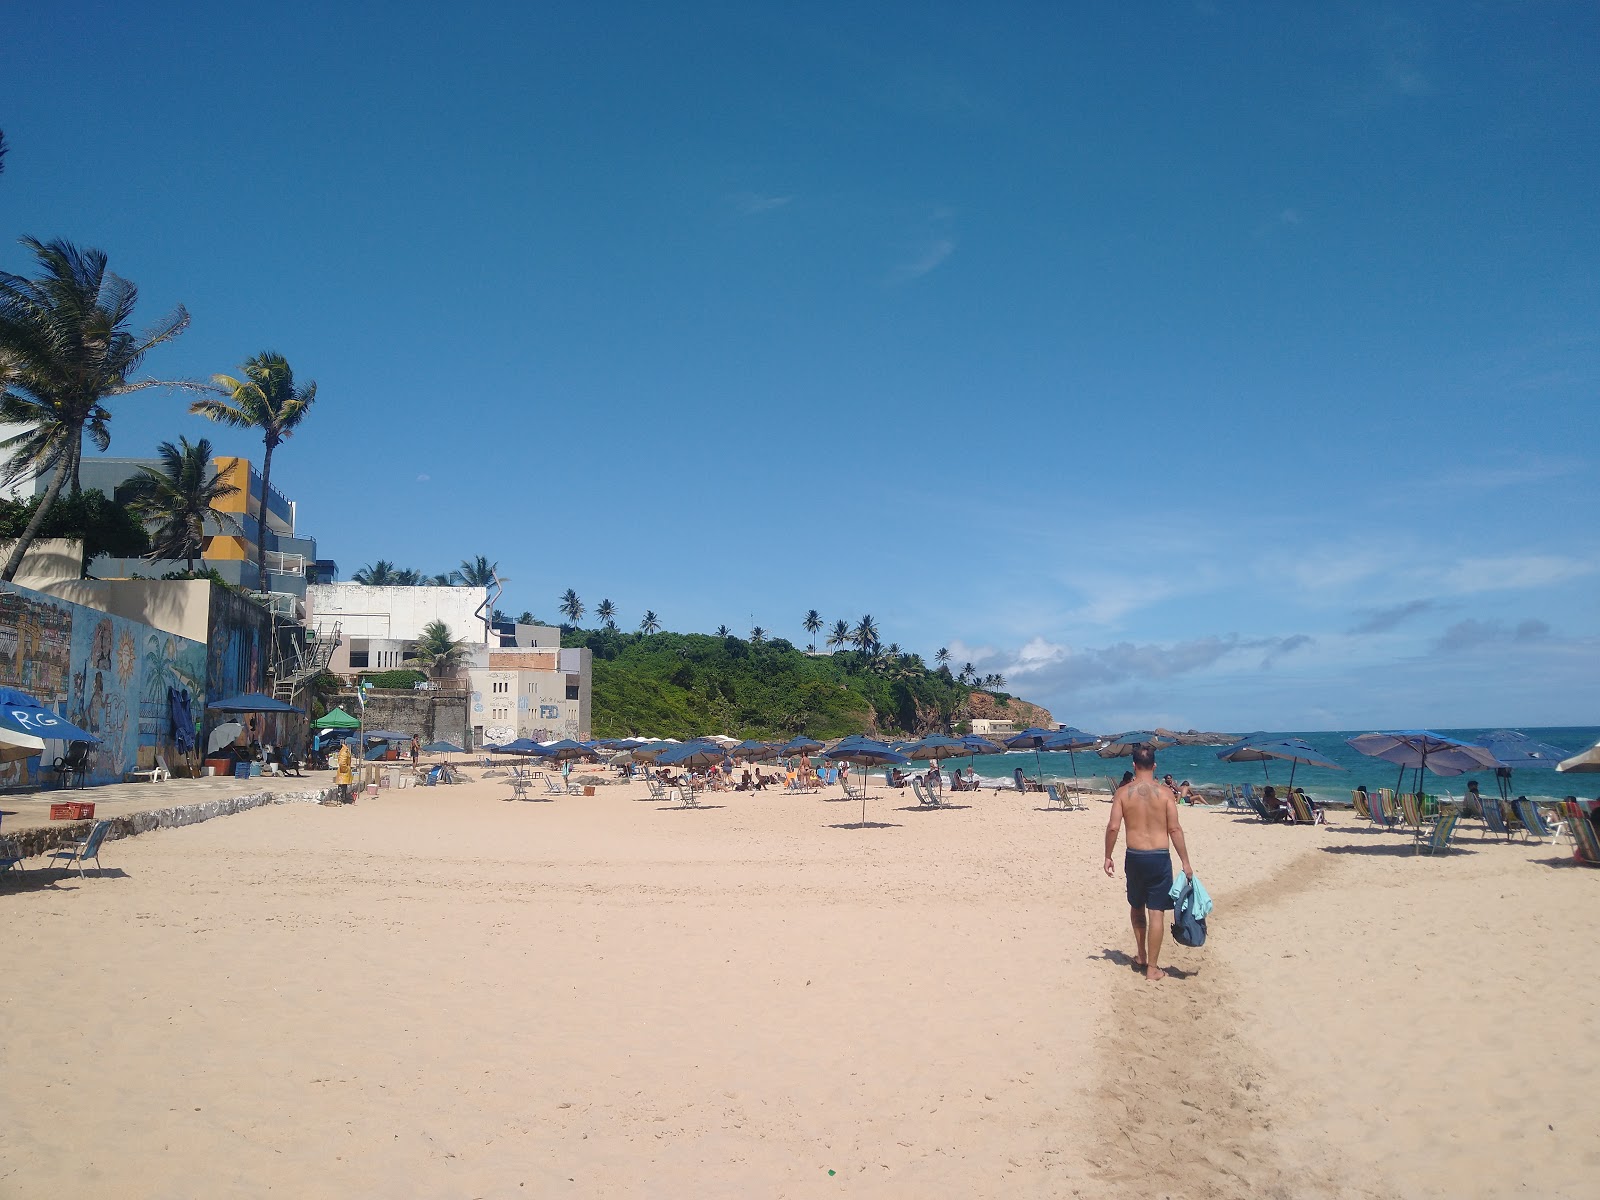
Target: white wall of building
{"x": 396, "y": 613}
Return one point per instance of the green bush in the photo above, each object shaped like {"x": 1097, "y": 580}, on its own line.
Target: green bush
{"x": 402, "y": 678}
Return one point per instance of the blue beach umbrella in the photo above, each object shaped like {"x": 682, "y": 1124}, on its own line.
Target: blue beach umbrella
{"x": 692, "y": 754}
{"x": 754, "y": 750}
{"x": 566, "y": 749}
{"x": 1122, "y": 744}
{"x": 1424, "y": 751}
{"x": 442, "y": 748}
{"x": 24, "y": 714}
{"x": 1071, "y": 740}
{"x": 799, "y": 745}
{"x": 521, "y": 745}
{"x": 1259, "y": 748}
{"x": 1032, "y": 739}
{"x": 935, "y": 745}
{"x": 1519, "y": 751}
{"x": 866, "y": 753}
{"x": 252, "y": 702}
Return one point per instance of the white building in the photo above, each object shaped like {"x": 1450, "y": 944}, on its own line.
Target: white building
{"x": 379, "y": 626}
{"x": 541, "y": 693}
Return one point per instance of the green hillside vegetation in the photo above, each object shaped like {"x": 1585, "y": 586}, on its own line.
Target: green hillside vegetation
{"x": 685, "y": 684}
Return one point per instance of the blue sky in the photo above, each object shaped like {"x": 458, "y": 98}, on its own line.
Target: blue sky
{"x": 1220, "y": 365}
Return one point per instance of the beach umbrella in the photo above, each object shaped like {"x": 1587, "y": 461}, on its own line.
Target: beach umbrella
{"x": 934, "y": 746}
{"x": 693, "y": 754}
{"x": 566, "y": 749}
{"x": 1515, "y": 750}
{"x": 651, "y": 751}
{"x": 1586, "y": 763}
{"x": 16, "y": 745}
{"x": 520, "y": 745}
{"x": 21, "y": 713}
{"x": 252, "y": 702}
{"x": 1424, "y": 751}
{"x": 386, "y": 735}
{"x": 755, "y": 751}
{"x": 223, "y": 735}
{"x": 1259, "y": 748}
{"x": 1121, "y": 746}
{"x": 442, "y": 748}
{"x": 799, "y": 745}
{"x": 1071, "y": 740}
{"x": 865, "y": 753}
{"x": 336, "y": 718}
{"x": 1031, "y": 739}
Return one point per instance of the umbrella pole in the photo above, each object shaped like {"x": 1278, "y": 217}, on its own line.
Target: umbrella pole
{"x": 1073, "y": 755}
{"x": 863, "y": 795}
{"x": 1038, "y": 765}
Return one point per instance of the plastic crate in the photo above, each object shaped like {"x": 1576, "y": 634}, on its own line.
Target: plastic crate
{"x": 72, "y": 810}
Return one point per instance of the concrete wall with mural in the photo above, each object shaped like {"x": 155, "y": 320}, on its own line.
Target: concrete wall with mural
{"x": 105, "y": 673}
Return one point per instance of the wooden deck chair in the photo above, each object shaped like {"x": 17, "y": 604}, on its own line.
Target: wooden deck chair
{"x": 1358, "y": 801}
{"x": 1585, "y": 842}
{"x": 82, "y": 851}
{"x": 1438, "y": 834}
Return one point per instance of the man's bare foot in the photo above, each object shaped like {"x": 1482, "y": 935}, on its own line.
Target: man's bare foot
{"x": 1154, "y": 974}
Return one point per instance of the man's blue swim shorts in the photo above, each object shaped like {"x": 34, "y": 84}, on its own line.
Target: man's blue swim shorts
{"x": 1149, "y": 875}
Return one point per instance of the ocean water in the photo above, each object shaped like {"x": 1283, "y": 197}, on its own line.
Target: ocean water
{"x": 1200, "y": 765}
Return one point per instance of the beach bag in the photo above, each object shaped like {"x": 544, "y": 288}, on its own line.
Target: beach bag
{"x": 1188, "y": 926}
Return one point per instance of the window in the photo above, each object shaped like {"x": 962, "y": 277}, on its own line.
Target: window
{"x": 572, "y": 691}
{"x": 358, "y": 658}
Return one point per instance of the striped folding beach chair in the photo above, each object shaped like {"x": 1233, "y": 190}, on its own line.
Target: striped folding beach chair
{"x": 1585, "y": 843}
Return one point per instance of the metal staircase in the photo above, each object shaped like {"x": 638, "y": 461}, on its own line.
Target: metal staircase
{"x": 311, "y": 654}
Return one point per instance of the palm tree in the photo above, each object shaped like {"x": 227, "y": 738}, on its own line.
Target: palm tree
{"x": 969, "y": 674}
{"x": 651, "y": 622}
{"x": 408, "y": 577}
{"x": 757, "y": 635}
{"x": 444, "y": 579}
{"x": 478, "y": 572}
{"x": 525, "y": 617}
{"x": 999, "y": 683}
{"x": 607, "y": 612}
{"x": 437, "y": 650}
{"x": 865, "y": 634}
{"x": 265, "y": 399}
{"x": 839, "y": 635}
{"x": 812, "y": 623}
{"x": 379, "y": 574}
{"x": 942, "y": 657}
{"x": 64, "y": 351}
{"x": 179, "y": 498}
{"x": 572, "y": 607}
{"x": 724, "y": 632}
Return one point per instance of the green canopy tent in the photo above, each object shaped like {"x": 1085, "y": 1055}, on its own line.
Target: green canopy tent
{"x": 336, "y": 719}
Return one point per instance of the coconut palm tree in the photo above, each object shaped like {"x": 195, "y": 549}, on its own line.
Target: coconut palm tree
{"x": 865, "y": 634}
{"x": 724, "y": 632}
{"x": 265, "y": 399}
{"x": 477, "y": 572}
{"x": 651, "y": 622}
{"x": 571, "y": 607}
{"x": 525, "y": 617}
{"x": 757, "y": 636}
{"x": 969, "y": 674}
{"x": 436, "y": 650}
{"x": 379, "y": 574}
{"x": 942, "y": 657}
{"x": 408, "y": 577}
{"x": 179, "y": 498}
{"x": 812, "y": 623}
{"x": 444, "y": 579}
{"x": 607, "y": 612}
{"x": 65, "y": 350}
{"x": 839, "y": 635}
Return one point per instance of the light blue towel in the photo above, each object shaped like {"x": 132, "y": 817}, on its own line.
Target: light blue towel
{"x": 1202, "y": 898}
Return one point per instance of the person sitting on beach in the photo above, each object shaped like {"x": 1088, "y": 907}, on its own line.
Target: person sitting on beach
{"x": 972, "y": 780}
{"x": 1472, "y": 802}
{"x": 897, "y": 777}
{"x": 1186, "y": 794}
{"x": 933, "y": 779}
{"x": 1277, "y": 810}
{"x": 744, "y": 781}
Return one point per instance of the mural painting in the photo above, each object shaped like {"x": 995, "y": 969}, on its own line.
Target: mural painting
{"x": 35, "y": 657}
{"x": 237, "y": 662}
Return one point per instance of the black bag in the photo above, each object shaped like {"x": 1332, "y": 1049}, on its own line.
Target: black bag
{"x": 1187, "y": 929}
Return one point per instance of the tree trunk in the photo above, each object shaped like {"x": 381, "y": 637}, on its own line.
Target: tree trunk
{"x": 32, "y": 531}
{"x": 77, "y": 459}
{"x": 261, "y": 523}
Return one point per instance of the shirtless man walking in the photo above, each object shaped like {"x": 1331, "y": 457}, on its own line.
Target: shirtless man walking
{"x": 1151, "y": 813}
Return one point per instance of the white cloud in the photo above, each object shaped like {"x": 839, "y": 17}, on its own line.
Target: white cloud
{"x": 929, "y": 259}
{"x": 424, "y": 478}
{"x": 752, "y": 203}
{"x": 1509, "y": 572}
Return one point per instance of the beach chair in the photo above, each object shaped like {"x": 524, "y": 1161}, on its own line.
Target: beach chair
{"x": 553, "y": 786}
{"x": 657, "y": 792}
{"x": 1358, "y": 801}
{"x": 10, "y": 855}
{"x": 1058, "y": 799}
{"x": 687, "y": 796}
{"x": 850, "y": 790}
{"x": 1234, "y": 800}
{"x": 1381, "y": 806}
{"x": 1533, "y": 820}
{"x": 1022, "y": 784}
{"x": 925, "y": 796}
{"x": 1494, "y": 818}
{"x": 1304, "y": 814}
{"x": 1585, "y": 842}
{"x": 519, "y": 787}
{"x": 82, "y": 851}
{"x": 1259, "y": 807}
{"x": 1415, "y": 819}
{"x": 73, "y": 767}
{"x": 1438, "y": 834}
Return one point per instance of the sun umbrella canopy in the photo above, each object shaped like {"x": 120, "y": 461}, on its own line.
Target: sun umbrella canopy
{"x": 1425, "y": 750}
{"x": 693, "y": 754}
{"x": 935, "y": 746}
{"x": 1030, "y": 739}
{"x": 566, "y": 749}
{"x": 1520, "y": 752}
{"x": 442, "y": 748}
{"x": 1288, "y": 749}
{"x": 223, "y": 735}
{"x": 1586, "y": 763}
{"x": 865, "y": 752}
{"x": 252, "y": 702}
{"x": 1122, "y": 745}
{"x": 519, "y": 746}
{"x": 15, "y": 746}
{"x": 1071, "y": 739}
{"x": 755, "y": 751}
{"x": 22, "y": 713}
{"x": 974, "y": 743}
{"x": 800, "y": 745}
{"x": 336, "y": 718}
{"x": 650, "y": 751}
{"x": 387, "y": 735}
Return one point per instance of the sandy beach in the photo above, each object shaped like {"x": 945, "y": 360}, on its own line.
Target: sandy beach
{"x": 442, "y": 992}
